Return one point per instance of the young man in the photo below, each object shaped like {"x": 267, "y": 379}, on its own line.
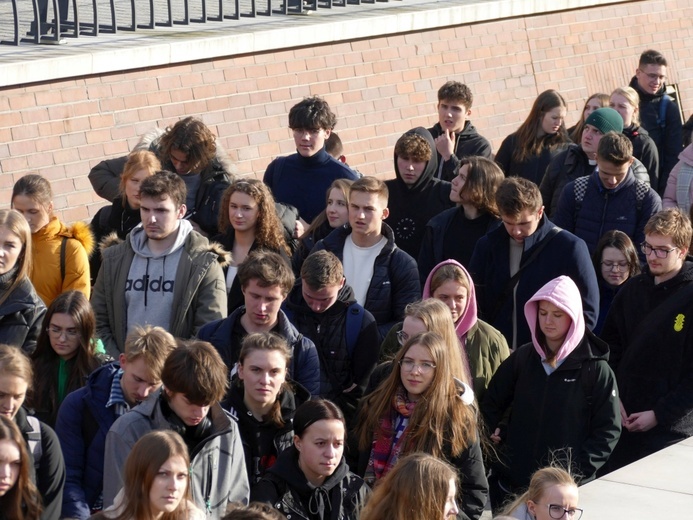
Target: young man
{"x": 266, "y": 280}
{"x": 323, "y": 308}
{"x": 194, "y": 380}
{"x": 648, "y": 329}
{"x": 301, "y": 179}
{"x": 580, "y": 160}
{"x": 515, "y": 260}
{"x": 190, "y": 149}
{"x": 415, "y": 195}
{"x": 87, "y": 414}
{"x": 455, "y": 136}
{"x": 610, "y": 198}
{"x": 164, "y": 273}
{"x": 384, "y": 278}
{"x": 659, "y": 114}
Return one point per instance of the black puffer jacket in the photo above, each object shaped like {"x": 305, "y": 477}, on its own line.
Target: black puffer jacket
{"x": 395, "y": 281}
{"x": 264, "y": 442}
{"x": 645, "y": 150}
{"x": 340, "y": 497}
{"x": 534, "y": 167}
{"x": 467, "y": 143}
{"x": 21, "y": 314}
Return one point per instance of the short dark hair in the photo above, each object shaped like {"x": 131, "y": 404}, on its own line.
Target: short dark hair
{"x": 192, "y": 137}
{"x": 313, "y": 411}
{"x": 652, "y": 57}
{"x": 165, "y": 184}
{"x": 334, "y": 146}
{"x": 268, "y": 268}
{"x": 322, "y": 269}
{"x": 457, "y": 92}
{"x": 413, "y": 147}
{"x": 615, "y": 148}
{"x": 196, "y": 370}
{"x": 312, "y": 113}
{"x": 516, "y": 194}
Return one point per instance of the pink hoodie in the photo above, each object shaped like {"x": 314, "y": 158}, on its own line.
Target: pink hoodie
{"x": 468, "y": 318}
{"x": 565, "y": 295}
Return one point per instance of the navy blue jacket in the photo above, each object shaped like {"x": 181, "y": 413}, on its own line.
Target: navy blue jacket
{"x": 395, "y": 282}
{"x": 603, "y": 210}
{"x": 564, "y": 255}
{"x": 84, "y": 463}
{"x": 305, "y": 365}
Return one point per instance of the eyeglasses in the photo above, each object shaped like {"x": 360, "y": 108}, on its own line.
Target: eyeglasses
{"x": 659, "y": 252}
{"x": 56, "y": 332}
{"x": 556, "y": 511}
{"x": 653, "y": 76}
{"x": 402, "y": 337}
{"x": 619, "y": 266}
{"x": 408, "y": 365}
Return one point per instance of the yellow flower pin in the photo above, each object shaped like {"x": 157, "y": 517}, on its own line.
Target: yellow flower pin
{"x": 678, "y": 323}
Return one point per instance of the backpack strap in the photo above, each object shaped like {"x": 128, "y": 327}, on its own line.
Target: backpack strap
{"x": 63, "y": 249}
{"x": 33, "y": 438}
{"x": 354, "y": 320}
{"x": 641, "y": 189}
{"x": 579, "y": 190}
{"x": 663, "y": 106}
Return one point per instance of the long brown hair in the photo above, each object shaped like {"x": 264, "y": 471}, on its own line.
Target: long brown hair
{"x": 441, "y": 424}
{"x": 342, "y": 185}
{"x": 268, "y": 228}
{"x": 138, "y": 160}
{"x": 528, "y": 142}
{"x": 576, "y": 135}
{"x": 141, "y": 466}
{"x": 46, "y": 360}
{"x": 14, "y": 221}
{"x": 483, "y": 178}
{"x": 416, "y": 489}
{"x": 22, "y": 501}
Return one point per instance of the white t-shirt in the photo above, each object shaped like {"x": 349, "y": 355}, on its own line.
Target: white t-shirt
{"x": 358, "y": 266}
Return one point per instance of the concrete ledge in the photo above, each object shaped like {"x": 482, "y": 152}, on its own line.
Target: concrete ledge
{"x": 146, "y": 48}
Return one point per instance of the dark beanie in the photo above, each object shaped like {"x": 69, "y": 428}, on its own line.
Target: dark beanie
{"x": 606, "y": 120}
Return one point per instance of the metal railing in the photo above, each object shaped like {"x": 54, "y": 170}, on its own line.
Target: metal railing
{"x": 34, "y": 21}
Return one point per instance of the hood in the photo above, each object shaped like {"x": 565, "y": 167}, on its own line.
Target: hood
{"x": 469, "y": 318}
{"x": 138, "y": 240}
{"x": 288, "y": 470}
{"x": 565, "y": 295}
{"x": 687, "y": 155}
{"x": 80, "y": 232}
{"x": 431, "y": 166}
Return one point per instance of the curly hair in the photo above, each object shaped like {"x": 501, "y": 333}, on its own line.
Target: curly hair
{"x": 413, "y": 147}
{"x": 192, "y": 137}
{"x": 454, "y": 91}
{"x": 268, "y": 228}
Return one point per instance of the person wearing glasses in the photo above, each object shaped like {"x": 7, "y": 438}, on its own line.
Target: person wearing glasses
{"x": 659, "y": 114}
{"x": 67, "y": 351}
{"x": 422, "y": 407}
{"x": 611, "y": 197}
{"x": 553, "y": 399}
{"x": 649, "y": 333}
{"x": 615, "y": 262}
{"x": 552, "y": 494}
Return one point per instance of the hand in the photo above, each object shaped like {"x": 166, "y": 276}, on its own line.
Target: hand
{"x": 624, "y": 415}
{"x": 495, "y": 437}
{"x": 300, "y": 227}
{"x": 641, "y": 421}
{"x": 445, "y": 144}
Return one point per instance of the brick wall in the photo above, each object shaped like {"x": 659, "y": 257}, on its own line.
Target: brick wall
{"x": 378, "y": 87}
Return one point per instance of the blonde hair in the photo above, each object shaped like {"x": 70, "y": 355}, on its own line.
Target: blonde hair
{"x": 138, "y": 160}
{"x": 542, "y": 479}
{"x": 633, "y": 99}
{"x": 14, "y": 222}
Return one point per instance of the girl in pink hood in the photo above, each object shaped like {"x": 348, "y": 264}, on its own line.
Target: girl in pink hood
{"x": 555, "y": 397}
{"x": 483, "y": 346}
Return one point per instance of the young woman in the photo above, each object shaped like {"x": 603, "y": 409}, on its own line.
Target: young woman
{"x": 263, "y": 401}
{"x": 19, "y": 498}
{"x": 421, "y": 407}
{"x": 561, "y": 391}
{"x": 593, "y": 102}
{"x": 248, "y": 221}
{"x": 483, "y": 346}
{"x": 311, "y": 479}
{"x": 156, "y": 482}
{"x": 39, "y": 438}
{"x": 625, "y": 101}
{"x": 335, "y": 215}
{"x": 615, "y": 260}
{"x": 67, "y": 351}
{"x": 528, "y": 152}
{"x": 419, "y": 487}
{"x": 124, "y": 214}
{"x": 21, "y": 310}
{"x": 679, "y": 188}
{"x": 454, "y": 232}
{"x": 552, "y": 494}
{"x": 60, "y": 253}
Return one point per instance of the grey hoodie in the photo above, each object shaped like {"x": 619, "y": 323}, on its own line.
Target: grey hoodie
{"x": 151, "y": 279}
